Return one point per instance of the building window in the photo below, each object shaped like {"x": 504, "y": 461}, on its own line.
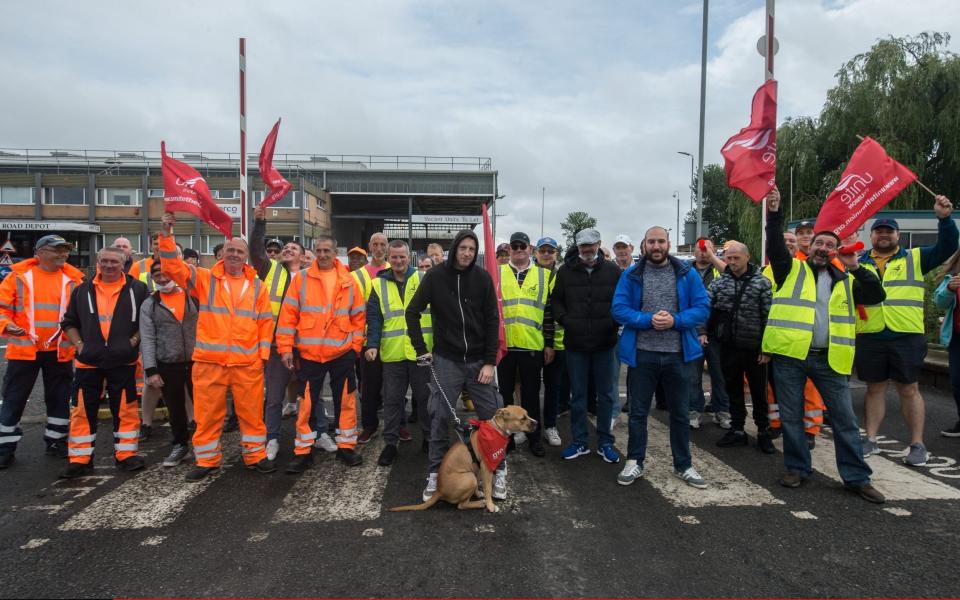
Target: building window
{"x": 16, "y": 195}
{"x": 119, "y": 197}
{"x": 209, "y": 242}
{"x": 155, "y": 193}
{"x": 105, "y": 240}
{"x": 185, "y": 241}
{"x": 321, "y": 203}
{"x": 291, "y": 200}
{"x": 65, "y": 195}
{"x": 226, "y": 194}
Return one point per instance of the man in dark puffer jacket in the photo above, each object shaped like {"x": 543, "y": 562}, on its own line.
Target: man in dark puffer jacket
{"x": 582, "y": 297}
{"x": 740, "y": 301}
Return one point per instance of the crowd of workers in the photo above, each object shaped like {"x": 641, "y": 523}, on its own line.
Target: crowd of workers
{"x": 254, "y": 339}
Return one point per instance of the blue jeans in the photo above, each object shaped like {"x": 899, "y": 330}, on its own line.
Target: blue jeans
{"x": 603, "y": 365}
{"x": 553, "y": 375}
{"x": 718, "y": 390}
{"x": 669, "y": 369}
{"x": 790, "y": 375}
{"x": 955, "y": 368}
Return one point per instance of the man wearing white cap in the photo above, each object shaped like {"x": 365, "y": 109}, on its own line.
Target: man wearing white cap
{"x": 623, "y": 251}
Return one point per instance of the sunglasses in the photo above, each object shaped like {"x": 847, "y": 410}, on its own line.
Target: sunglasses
{"x": 518, "y": 246}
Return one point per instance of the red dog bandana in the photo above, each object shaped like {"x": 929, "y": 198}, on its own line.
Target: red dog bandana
{"x": 492, "y": 443}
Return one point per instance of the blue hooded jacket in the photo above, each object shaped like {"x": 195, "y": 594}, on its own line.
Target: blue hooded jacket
{"x": 692, "y": 300}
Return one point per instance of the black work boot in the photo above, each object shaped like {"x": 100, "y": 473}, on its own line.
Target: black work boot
{"x": 349, "y": 457}
{"x": 76, "y": 469}
{"x": 300, "y": 463}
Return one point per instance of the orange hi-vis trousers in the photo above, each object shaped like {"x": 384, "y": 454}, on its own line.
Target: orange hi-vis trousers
{"x": 210, "y": 383}
{"x": 813, "y": 408}
{"x": 311, "y": 421}
{"x": 122, "y": 392}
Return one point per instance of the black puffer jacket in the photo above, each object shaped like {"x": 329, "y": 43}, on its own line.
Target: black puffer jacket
{"x": 739, "y": 324}
{"x": 582, "y": 302}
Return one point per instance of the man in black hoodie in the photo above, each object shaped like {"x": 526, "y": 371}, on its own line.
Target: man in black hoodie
{"x": 463, "y": 306}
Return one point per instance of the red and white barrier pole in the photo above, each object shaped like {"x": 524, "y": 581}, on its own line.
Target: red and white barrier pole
{"x": 244, "y": 232}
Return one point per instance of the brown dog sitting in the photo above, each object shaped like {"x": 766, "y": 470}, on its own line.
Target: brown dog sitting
{"x": 457, "y": 480}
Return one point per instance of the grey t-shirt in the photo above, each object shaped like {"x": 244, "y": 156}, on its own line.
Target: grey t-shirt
{"x": 659, "y": 293}
{"x": 821, "y": 318}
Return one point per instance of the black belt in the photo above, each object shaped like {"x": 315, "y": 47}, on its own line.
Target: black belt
{"x": 818, "y": 350}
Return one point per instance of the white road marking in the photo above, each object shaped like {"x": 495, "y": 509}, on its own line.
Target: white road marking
{"x": 688, "y": 519}
{"x": 583, "y": 524}
{"x": 898, "y": 512}
{"x": 894, "y": 480}
{"x": 378, "y": 532}
{"x": 153, "y": 498}
{"x": 330, "y": 491}
{"x": 64, "y": 487}
{"x": 727, "y": 487}
{"x": 34, "y": 543}
{"x": 484, "y": 529}
{"x": 153, "y": 540}
{"x": 803, "y": 514}
{"x": 258, "y": 536}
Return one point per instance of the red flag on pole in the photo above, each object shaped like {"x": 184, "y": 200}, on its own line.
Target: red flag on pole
{"x": 870, "y": 181}
{"x": 751, "y": 156}
{"x": 185, "y": 190}
{"x": 277, "y": 185}
{"x": 490, "y": 264}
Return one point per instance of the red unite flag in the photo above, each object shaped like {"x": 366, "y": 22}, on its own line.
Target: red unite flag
{"x": 750, "y": 157}
{"x": 185, "y": 190}
{"x": 490, "y": 264}
{"x": 870, "y": 181}
{"x": 274, "y": 181}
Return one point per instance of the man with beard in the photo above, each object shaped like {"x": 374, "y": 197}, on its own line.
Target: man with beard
{"x": 660, "y": 302}
{"x": 810, "y": 333}
{"x": 891, "y": 344}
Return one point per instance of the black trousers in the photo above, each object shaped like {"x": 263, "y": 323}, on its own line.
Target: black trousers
{"x": 528, "y": 363}
{"x": 176, "y": 379}
{"x": 18, "y": 382}
{"x": 737, "y": 363}
{"x": 371, "y": 391}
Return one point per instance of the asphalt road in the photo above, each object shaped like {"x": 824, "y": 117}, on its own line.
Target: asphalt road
{"x": 567, "y": 528}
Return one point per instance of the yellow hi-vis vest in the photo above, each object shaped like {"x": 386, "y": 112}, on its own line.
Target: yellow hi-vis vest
{"x": 395, "y": 344}
{"x": 145, "y": 278}
{"x": 523, "y": 307}
{"x": 789, "y": 329}
{"x": 557, "y": 327}
{"x": 363, "y": 280}
{"x": 902, "y": 311}
{"x": 276, "y": 281}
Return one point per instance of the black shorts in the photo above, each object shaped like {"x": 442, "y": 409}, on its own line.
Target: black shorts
{"x": 899, "y": 359}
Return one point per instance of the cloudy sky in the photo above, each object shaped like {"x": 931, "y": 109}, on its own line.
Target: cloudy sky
{"x": 591, "y": 100}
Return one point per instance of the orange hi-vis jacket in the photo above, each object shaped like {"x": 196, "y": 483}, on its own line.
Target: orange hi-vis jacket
{"x": 141, "y": 266}
{"x": 322, "y": 332}
{"x": 227, "y": 335}
{"x": 37, "y": 311}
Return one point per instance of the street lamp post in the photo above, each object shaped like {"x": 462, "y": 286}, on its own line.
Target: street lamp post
{"x": 703, "y": 100}
{"x": 677, "y": 196}
{"x": 691, "y": 175}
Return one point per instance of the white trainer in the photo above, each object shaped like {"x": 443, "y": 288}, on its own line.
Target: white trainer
{"x": 694, "y": 417}
{"x": 553, "y": 436}
{"x": 519, "y": 438}
{"x": 431, "y": 488}
{"x": 326, "y": 443}
{"x": 273, "y": 446}
{"x": 500, "y": 485}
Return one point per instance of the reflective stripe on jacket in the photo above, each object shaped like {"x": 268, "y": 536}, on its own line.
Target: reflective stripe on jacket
{"x": 17, "y": 306}
{"x": 789, "y": 330}
{"x": 523, "y": 307}
{"x": 276, "y": 282}
{"x": 226, "y": 334}
{"x": 321, "y": 332}
{"x": 395, "y": 344}
{"x": 902, "y": 311}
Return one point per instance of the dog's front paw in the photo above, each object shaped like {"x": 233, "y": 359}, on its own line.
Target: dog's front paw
{"x": 493, "y": 508}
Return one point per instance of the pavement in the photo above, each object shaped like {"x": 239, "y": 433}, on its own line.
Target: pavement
{"x": 566, "y": 529}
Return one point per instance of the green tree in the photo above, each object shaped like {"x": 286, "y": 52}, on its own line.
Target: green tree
{"x": 574, "y": 223}
{"x": 716, "y": 210}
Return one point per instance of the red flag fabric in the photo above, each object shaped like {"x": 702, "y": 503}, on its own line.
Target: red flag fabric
{"x": 277, "y": 185}
{"x": 750, "y": 157}
{"x": 490, "y": 264}
{"x": 185, "y": 190}
{"x": 870, "y": 181}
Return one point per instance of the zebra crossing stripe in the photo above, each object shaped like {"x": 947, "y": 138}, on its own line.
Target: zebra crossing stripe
{"x": 330, "y": 491}
{"x": 893, "y": 480}
{"x": 153, "y": 498}
{"x": 726, "y": 485}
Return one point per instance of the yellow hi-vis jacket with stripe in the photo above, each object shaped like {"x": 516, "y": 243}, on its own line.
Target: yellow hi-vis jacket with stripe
{"x": 276, "y": 282}
{"x": 557, "y": 327}
{"x": 363, "y": 280}
{"x": 902, "y": 311}
{"x": 789, "y": 329}
{"x": 523, "y": 307}
{"x": 395, "y": 344}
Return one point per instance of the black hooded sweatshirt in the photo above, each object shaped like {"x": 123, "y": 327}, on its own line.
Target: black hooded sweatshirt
{"x": 463, "y": 307}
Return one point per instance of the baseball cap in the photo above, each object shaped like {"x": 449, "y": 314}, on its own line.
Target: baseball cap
{"x": 547, "y": 241}
{"x": 52, "y": 240}
{"x": 804, "y": 225}
{"x": 504, "y": 247}
{"x": 891, "y": 223}
{"x": 520, "y": 237}
{"x": 357, "y": 249}
{"x": 622, "y": 239}
{"x": 274, "y": 242}
{"x": 588, "y": 236}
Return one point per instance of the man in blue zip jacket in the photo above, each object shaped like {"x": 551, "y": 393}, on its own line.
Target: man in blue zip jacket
{"x": 660, "y": 302}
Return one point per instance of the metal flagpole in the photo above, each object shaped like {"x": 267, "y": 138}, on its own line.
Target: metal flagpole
{"x": 703, "y": 103}
{"x": 243, "y": 138}
{"x": 768, "y": 74}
